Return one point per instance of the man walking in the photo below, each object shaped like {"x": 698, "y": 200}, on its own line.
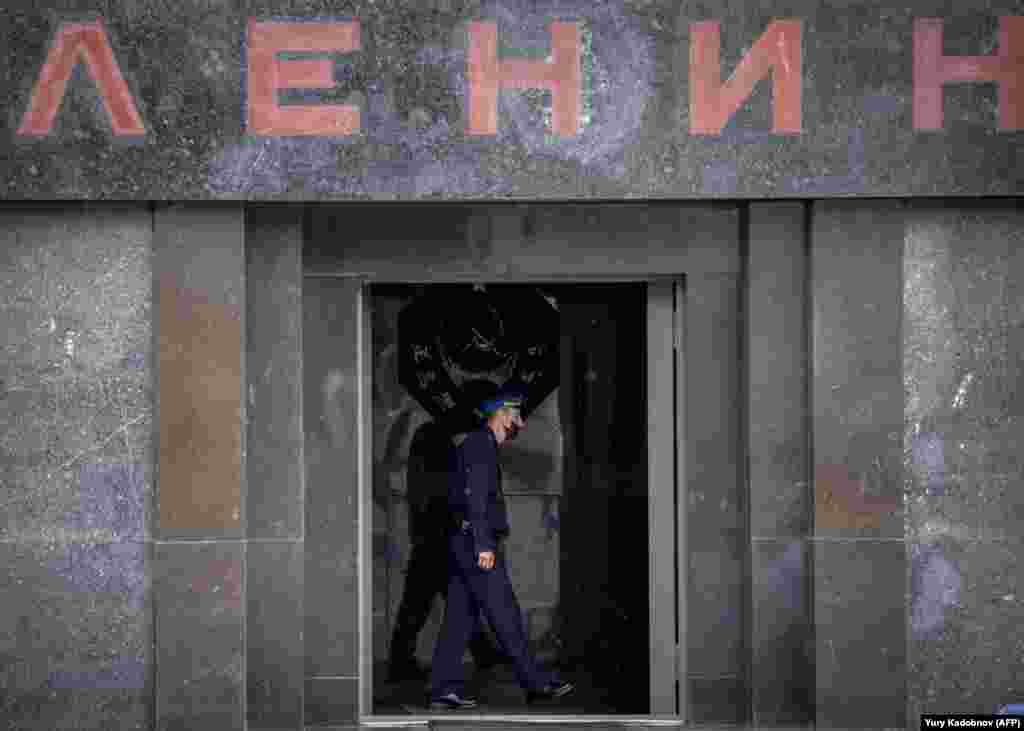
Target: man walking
{"x": 479, "y": 581}
{"x": 431, "y": 459}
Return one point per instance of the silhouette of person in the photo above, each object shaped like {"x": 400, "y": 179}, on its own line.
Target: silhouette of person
{"x": 430, "y": 455}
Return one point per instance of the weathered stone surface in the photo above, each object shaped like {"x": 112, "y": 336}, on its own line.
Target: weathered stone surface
{"x": 331, "y": 439}
{"x": 626, "y": 241}
{"x": 76, "y": 635}
{"x": 965, "y": 611}
{"x": 331, "y": 700}
{"x": 274, "y": 663}
{"x": 76, "y": 372}
{"x": 962, "y": 308}
{"x": 857, "y": 391}
{"x": 273, "y": 339}
{"x": 781, "y": 503}
{"x": 76, "y": 450}
{"x": 716, "y": 533}
{"x": 200, "y": 596}
{"x": 849, "y": 127}
{"x": 778, "y": 373}
{"x": 782, "y": 633}
{"x": 715, "y": 610}
{"x": 199, "y": 270}
{"x": 717, "y": 700}
{"x": 860, "y": 633}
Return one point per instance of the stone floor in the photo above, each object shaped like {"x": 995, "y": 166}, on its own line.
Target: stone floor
{"x": 498, "y": 693}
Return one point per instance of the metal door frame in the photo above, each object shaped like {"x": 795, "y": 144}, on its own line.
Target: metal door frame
{"x": 667, "y": 501}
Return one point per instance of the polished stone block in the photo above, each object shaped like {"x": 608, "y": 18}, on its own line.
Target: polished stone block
{"x": 713, "y": 408}
{"x": 715, "y": 610}
{"x": 778, "y": 373}
{"x": 857, "y": 390}
{"x": 539, "y": 241}
{"x": 720, "y": 699}
{"x": 963, "y": 321}
{"x": 967, "y": 606}
{"x": 273, "y": 628}
{"x": 330, "y": 416}
{"x": 782, "y": 633}
{"x": 273, "y": 339}
{"x": 76, "y": 372}
{"x": 199, "y": 269}
{"x": 963, "y": 317}
{"x": 860, "y": 616}
{"x": 199, "y": 599}
{"x": 331, "y": 700}
{"x": 76, "y": 635}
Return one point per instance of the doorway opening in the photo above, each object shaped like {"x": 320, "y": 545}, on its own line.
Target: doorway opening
{"x": 577, "y": 484}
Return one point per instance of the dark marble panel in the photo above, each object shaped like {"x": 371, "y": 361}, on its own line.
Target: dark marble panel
{"x": 860, "y": 616}
{"x": 782, "y": 644}
{"x": 715, "y": 609}
{"x": 200, "y": 615}
{"x": 199, "y": 268}
{"x": 857, "y": 392}
{"x": 967, "y": 607}
{"x": 721, "y": 699}
{"x": 273, "y": 339}
{"x": 76, "y": 372}
{"x": 273, "y": 629}
{"x": 716, "y": 530}
{"x": 778, "y": 372}
{"x": 713, "y": 409}
{"x": 75, "y": 635}
{"x": 331, "y": 700}
{"x": 538, "y": 240}
{"x": 964, "y": 333}
{"x": 330, "y": 415}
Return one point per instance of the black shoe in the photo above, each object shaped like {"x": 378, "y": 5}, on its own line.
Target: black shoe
{"x": 551, "y": 691}
{"x": 452, "y": 702}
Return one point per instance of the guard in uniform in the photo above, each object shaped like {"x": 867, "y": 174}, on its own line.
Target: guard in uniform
{"x": 431, "y": 456}
{"x": 478, "y": 579}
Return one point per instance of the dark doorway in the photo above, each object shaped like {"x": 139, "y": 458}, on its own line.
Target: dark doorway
{"x": 576, "y": 484}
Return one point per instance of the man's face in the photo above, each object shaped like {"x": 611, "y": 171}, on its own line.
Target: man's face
{"x": 512, "y": 422}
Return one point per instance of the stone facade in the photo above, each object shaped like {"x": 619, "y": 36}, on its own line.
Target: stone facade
{"x": 851, "y": 414}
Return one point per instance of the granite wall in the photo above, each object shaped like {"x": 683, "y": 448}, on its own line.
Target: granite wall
{"x": 77, "y": 446}
{"x": 178, "y": 456}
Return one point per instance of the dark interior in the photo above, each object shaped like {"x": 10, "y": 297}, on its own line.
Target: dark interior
{"x": 576, "y": 483}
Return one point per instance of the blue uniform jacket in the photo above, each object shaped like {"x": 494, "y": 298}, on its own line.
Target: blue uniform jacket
{"x": 475, "y": 491}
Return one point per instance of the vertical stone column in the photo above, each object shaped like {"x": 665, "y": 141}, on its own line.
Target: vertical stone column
{"x": 331, "y": 425}
{"x": 857, "y": 408}
{"x": 199, "y": 562}
{"x": 716, "y": 525}
{"x": 274, "y": 468}
{"x": 781, "y": 505}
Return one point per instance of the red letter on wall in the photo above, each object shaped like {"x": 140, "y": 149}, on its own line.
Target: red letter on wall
{"x": 268, "y": 75}
{"x": 778, "y": 51}
{"x": 932, "y": 69}
{"x": 562, "y": 76}
{"x": 77, "y": 42}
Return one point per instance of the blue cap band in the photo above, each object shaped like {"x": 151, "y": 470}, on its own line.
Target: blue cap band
{"x": 493, "y": 404}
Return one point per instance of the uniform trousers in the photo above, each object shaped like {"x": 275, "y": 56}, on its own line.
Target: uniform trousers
{"x": 471, "y": 591}
{"x": 426, "y": 577}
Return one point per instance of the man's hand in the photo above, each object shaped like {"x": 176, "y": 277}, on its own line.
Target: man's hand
{"x": 485, "y": 560}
